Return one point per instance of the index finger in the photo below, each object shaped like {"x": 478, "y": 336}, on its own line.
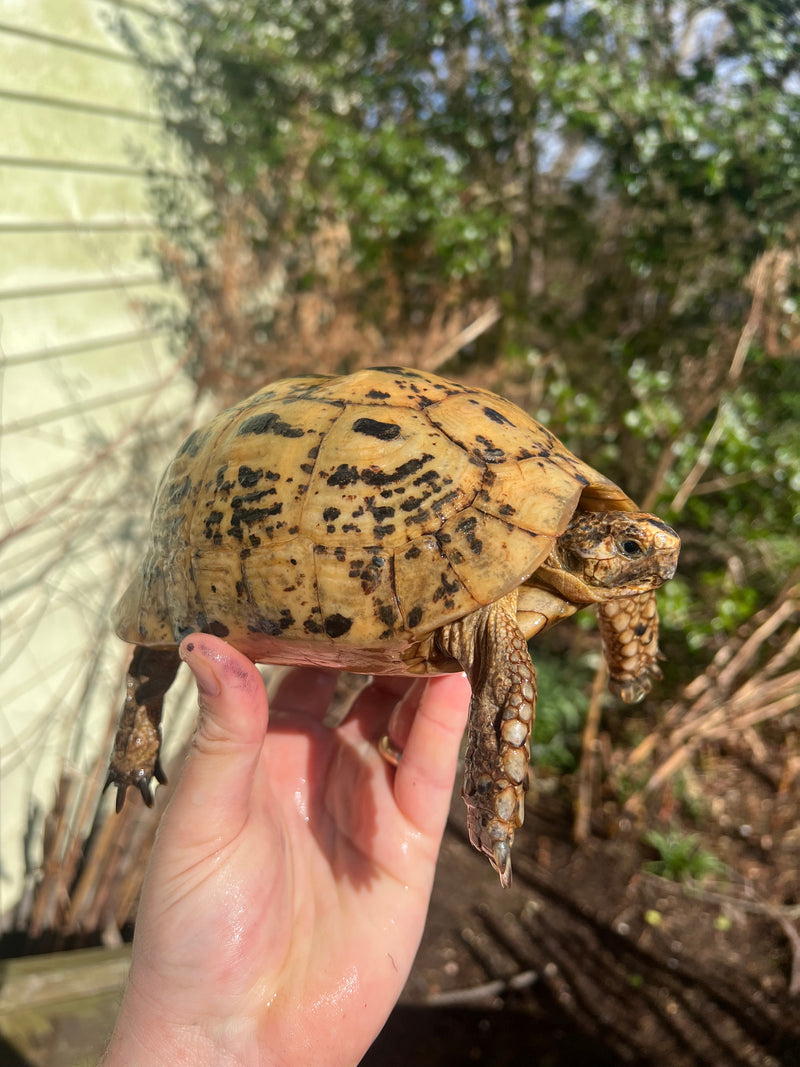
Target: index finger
{"x": 424, "y": 776}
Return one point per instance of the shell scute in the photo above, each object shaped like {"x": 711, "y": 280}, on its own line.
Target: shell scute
{"x": 356, "y": 595}
{"x": 489, "y": 428}
{"x": 490, "y": 556}
{"x": 278, "y": 595}
{"x": 390, "y": 482}
{"x": 429, "y": 590}
{"x": 260, "y": 491}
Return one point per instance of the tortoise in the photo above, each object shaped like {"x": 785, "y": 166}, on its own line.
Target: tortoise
{"x": 391, "y": 522}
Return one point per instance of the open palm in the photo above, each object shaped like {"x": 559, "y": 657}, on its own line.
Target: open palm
{"x": 289, "y": 884}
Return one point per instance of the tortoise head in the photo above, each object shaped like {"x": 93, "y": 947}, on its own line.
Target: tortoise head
{"x": 615, "y": 554}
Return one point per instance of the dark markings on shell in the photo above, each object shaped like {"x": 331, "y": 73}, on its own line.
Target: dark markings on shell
{"x": 429, "y": 478}
{"x": 497, "y": 417}
{"x": 384, "y": 431}
{"x": 405, "y": 470}
{"x": 380, "y": 514}
{"x": 269, "y": 422}
{"x": 442, "y": 502}
{"x": 343, "y": 475}
{"x": 411, "y": 503}
{"x": 248, "y": 477}
{"x": 193, "y": 443}
{"x": 506, "y": 509}
{"x": 444, "y": 588}
{"x": 387, "y": 615}
{"x": 331, "y": 514}
{"x": 250, "y": 515}
{"x": 370, "y": 575}
{"x": 467, "y": 528}
{"x": 214, "y": 519}
{"x": 377, "y": 394}
{"x": 402, "y": 372}
{"x": 490, "y": 453}
{"x": 273, "y": 627}
{"x": 420, "y": 516}
{"x": 337, "y": 625}
{"x": 414, "y": 616}
{"x": 178, "y": 493}
{"x": 217, "y": 628}
{"x": 252, "y": 498}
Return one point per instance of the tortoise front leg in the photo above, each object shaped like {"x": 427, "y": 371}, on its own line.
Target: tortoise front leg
{"x": 493, "y": 651}
{"x": 629, "y": 630}
{"x": 137, "y": 745}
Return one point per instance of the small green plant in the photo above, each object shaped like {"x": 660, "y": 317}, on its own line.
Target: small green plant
{"x": 681, "y": 857}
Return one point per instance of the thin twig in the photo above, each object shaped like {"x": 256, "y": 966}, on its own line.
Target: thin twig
{"x": 749, "y": 331}
{"x": 586, "y": 771}
{"x": 464, "y": 337}
{"x": 481, "y": 994}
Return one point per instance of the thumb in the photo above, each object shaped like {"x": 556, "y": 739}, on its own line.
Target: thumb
{"x": 217, "y": 780}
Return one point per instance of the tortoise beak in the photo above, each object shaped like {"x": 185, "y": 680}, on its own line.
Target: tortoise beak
{"x": 667, "y": 546}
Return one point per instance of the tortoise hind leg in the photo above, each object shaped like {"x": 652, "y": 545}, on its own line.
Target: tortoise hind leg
{"x": 349, "y": 688}
{"x": 493, "y": 651}
{"x": 137, "y": 745}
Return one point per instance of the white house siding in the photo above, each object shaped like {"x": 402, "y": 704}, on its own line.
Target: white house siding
{"x": 90, "y": 396}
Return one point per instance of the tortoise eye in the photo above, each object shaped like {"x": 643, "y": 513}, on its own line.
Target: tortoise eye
{"x": 630, "y": 548}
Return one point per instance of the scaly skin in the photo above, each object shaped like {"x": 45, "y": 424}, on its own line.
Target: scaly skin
{"x": 629, "y": 629}
{"x": 493, "y": 651}
{"x": 135, "y": 760}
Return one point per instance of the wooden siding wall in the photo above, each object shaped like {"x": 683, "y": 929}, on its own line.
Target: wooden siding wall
{"x": 91, "y": 396}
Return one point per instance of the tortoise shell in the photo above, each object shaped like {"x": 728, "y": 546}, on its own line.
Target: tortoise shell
{"x": 341, "y": 520}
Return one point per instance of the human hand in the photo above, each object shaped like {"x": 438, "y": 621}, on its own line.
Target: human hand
{"x": 289, "y": 883}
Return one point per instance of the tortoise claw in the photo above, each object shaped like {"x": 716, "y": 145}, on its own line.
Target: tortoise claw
{"x": 143, "y": 785}
{"x": 633, "y": 690}
{"x": 501, "y": 861}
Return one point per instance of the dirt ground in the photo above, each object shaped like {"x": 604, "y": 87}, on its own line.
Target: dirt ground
{"x": 589, "y": 959}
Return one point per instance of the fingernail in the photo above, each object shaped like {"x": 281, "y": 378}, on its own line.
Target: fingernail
{"x": 207, "y": 682}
